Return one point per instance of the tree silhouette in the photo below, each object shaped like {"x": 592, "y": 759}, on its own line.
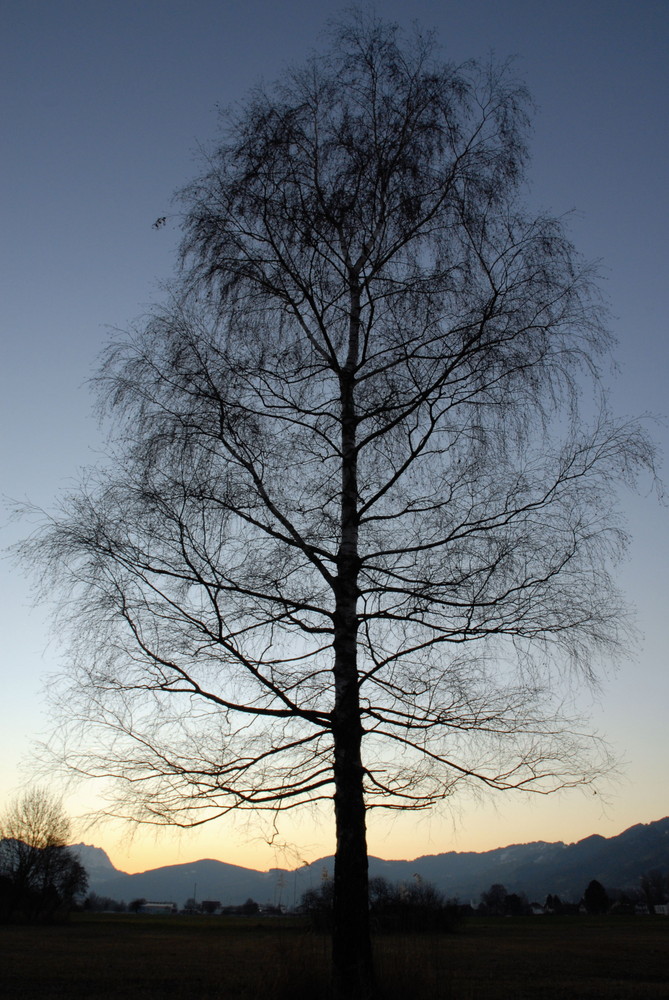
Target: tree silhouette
{"x": 655, "y": 887}
{"x": 596, "y": 898}
{"x": 493, "y": 901}
{"x": 39, "y": 877}
{"x": 353, "y": 527}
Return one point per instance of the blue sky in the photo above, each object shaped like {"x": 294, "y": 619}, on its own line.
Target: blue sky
{"x": 104, "y": 105}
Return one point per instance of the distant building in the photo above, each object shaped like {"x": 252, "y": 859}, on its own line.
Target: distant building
{"x": 157, "y": 908}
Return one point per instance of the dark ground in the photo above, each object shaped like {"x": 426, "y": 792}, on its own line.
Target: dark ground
{"x": 145, "y": 958}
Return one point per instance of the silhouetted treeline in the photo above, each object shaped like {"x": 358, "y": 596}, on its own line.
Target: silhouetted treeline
{"x": 38, "y": 884}
{"x": 652, "y": 896}
{"x": 103, "y": 904}
{"x": 401, "y": 906}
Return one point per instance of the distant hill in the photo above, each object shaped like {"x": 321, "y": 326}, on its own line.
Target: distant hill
{"x": 95, "y": 861}
{"x": 535, "y": 869}
{"x": 204, "y": 879}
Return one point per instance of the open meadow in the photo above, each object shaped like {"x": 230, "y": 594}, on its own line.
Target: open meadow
{"x": 100, "y": 957}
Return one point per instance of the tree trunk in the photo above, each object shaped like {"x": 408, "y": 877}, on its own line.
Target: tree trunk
{"x": 351, "y": 941}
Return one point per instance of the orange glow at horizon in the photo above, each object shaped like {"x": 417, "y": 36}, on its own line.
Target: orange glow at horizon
{"x": 477, "y": 828}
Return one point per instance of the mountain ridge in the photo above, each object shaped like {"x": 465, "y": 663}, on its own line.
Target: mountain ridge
{"x": 536, "y": 869}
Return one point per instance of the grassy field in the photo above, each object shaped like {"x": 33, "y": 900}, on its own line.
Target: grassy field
{"x": 146, "y": 958}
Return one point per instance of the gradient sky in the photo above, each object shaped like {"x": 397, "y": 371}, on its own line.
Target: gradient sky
{"x": 104, "y": 104}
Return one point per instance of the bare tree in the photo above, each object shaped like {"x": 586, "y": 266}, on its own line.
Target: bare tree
{"x": 355, "y": 529}
{"x": 39, "y": 876}
{"x": 36, "y": 819}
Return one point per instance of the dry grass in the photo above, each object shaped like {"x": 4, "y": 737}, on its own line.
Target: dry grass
{"x": 143, "y": 958}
